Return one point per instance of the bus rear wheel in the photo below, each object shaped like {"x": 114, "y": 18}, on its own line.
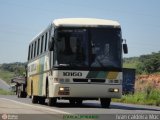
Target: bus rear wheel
{"x": 34, "y": 99}
{"x": 52, "y": 101}
{"x": 105, "y": 102}
{"x": 42, "y": 100}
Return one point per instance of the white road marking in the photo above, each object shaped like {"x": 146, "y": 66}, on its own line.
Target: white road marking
{"x": 39, "y": 107}
{"x": 4, "y": 82}
{"x": 4, "y": 85}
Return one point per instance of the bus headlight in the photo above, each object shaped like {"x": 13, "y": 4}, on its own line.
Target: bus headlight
{"x": 64, "y": 91}
{"x": 116, "y": 90}
{"x": 61, "y": 89}
{"x": 113, "y": 90}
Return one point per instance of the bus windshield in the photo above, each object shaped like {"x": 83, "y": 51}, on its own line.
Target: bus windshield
{"x": 72, "y": 47}
{"x": 106, "y": 47}
{"x": 93, "y": 47}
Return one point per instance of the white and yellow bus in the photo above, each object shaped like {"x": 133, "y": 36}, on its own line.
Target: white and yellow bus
{"x": 76, "y": 59}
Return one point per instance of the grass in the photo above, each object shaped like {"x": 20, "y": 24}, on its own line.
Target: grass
{"x": 147, "y": 91}
{"x": 151, "y": 97}
{"x": 6, "y": 75}
{"x": 4, "y": 92}
{"x": 130, "y": 62}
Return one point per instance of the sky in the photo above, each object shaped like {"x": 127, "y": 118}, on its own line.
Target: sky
{"x": 21, "y": 20}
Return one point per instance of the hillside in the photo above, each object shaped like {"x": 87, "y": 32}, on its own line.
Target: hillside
{"x": 9, "y": 70}
{"x": 145, "y": 64}
{"x": 147, "y": 81}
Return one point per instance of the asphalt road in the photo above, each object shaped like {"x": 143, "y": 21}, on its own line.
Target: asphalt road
{"x": 13, "y": 105}
{"x": 4, "y": 85}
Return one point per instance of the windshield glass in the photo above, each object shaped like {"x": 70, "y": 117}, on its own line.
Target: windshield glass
{"x": 72, "y": 47}
{"x": 106, "y": 47}
{"x": 91, "y": 47}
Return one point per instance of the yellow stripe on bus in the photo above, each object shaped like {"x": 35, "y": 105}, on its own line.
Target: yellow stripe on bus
{"x": 112, "y": 75}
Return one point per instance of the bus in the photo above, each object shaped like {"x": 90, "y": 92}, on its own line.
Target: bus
{"x": 76, "y": 59}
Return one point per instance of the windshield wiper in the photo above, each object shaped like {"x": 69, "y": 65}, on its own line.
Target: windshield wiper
{"x": 101, "y": 64}
{"x": 64, "y": 65}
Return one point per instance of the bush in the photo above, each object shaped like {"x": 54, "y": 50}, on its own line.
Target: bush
{"x": 151, "y": 98}
{"x": 4, "y": 92}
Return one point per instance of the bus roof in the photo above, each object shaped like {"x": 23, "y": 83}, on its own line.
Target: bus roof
{"x": 80, "y": 22}
{"x": 84, "y": 22}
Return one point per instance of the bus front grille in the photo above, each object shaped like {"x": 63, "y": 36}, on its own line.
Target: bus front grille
{"x": 80, "y": 80}
{"x": 89, "y": 80}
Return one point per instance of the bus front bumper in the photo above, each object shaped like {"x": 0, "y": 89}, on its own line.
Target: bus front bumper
{"x": 86, "y": 90}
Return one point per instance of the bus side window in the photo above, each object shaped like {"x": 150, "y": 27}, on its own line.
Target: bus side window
{"x": 46, "y": 41}
{"x": 32, "y": 51}
{"x": 29, "y": 50}
{"x": 35, "y": 47}
{"x": 42, "y": 44}
{"x": 38, "y": 47}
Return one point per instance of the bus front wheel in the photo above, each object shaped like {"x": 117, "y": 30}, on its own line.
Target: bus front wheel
{"x": 105, "y": 102}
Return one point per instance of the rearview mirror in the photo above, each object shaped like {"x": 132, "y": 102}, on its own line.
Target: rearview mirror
{"x": 125, "y": 47}
{"x": 51, "y": 45}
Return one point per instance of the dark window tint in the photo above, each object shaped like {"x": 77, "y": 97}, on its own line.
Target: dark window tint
{"x": 38, "y": 46}
{"x": 29, "y": 50}
{"x": 35, "y": 46}
{"x": 42, "y": 43}
{"x": 46, "y": 41}
{"x": 32, "y": 52}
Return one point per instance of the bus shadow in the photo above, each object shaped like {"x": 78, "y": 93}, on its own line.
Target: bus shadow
{"x": 84, "y": 105}
{"x": 68, "y": 105}
{"x": 96, "y": 105}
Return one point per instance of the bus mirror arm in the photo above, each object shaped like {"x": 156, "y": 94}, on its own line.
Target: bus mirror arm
{"x": 51, "y": 44}
{"x": 125, "y": 47}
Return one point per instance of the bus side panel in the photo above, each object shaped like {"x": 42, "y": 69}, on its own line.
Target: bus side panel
{"x": 43, "y": 70}
{"x": 43, "y": 90}
{"x": 37, "y": 75}
{"x": 35, "y": 83}
{"x": 42, "y": 84}
{"x": 32, "y": 85}
{"x": 33, "y": 78}
{"x": 29, "y": 86}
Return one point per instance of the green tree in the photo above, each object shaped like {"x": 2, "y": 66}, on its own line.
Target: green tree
{"x": 149, "y": 63}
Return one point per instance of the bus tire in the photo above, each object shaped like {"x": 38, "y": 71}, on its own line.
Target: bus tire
{"x": 105, "y": 102}
{"x": 52, "y": 101}
{"x": 34, "y": 99}
{"x": 42, "y": 100}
